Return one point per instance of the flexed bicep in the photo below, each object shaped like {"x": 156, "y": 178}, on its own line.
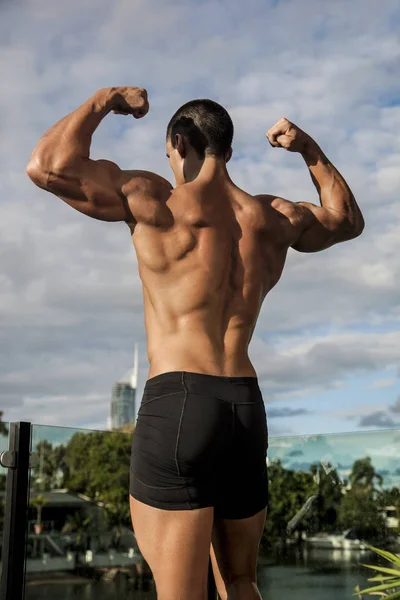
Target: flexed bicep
{"x": 61, "y": 164}
{"x": 317, "y": 228}
{"x": 338, "y": 218}
{"x": 308, "y": 227}
{"x": 93, "y": 187}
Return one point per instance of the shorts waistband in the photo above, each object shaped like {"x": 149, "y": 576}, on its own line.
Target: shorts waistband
{"x": 188, "y": 377}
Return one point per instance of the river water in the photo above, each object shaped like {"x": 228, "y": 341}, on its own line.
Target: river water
{"x": 323, "y": 575}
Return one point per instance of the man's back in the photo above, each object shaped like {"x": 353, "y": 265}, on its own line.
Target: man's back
{"x": 208, "y": 254}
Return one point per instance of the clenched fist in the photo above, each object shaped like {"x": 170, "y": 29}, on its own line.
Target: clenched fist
{"x": 287, "y": 135}
{"x": 130, "y": 101}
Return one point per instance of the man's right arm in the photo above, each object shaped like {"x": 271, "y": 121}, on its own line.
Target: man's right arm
{"x": 61, "y": 162}
{"x": 338, "y": 218}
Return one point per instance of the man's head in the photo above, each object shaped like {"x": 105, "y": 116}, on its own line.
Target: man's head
{"x": 200, "y": 129}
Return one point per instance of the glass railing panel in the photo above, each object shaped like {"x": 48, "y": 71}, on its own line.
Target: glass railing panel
{"x": 4, "y": 428}
{"x": 329, "y": 495}
{"x": 80, "y": 539}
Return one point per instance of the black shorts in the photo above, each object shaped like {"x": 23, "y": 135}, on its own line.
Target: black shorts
{"x": 201, "y": 441}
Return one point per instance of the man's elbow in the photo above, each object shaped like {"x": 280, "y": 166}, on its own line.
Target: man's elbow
{"x": 351, "y": 230}
{"x": 358, "y": 226}
{"x": 361, "y": 225}
{"x": 36, "y": 173}
{"x": 43, "y": 175}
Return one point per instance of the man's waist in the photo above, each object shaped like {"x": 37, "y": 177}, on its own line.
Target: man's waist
{"x": 166, "y": 360}
{"x": 232, "y": 389}
{"x": 206, "y": 378}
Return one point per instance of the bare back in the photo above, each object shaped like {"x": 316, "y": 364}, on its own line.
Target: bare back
{"x": 208, "y": 255}
{"x": 208, "y": 252}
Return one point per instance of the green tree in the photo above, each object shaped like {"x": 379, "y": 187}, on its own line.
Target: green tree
{"x": 329, "y": 486}
{"x": 288, "y": 492}
{"x": 390, "y": 498}
{"x": 98, "y": 466}
{"x": 48, "y": 474}
{"x": 79, "y": 525}
{"x": 359, "y": 509}
{"x": 363, "y": 476}
{"x": 362, "y": 515}
{"x": 3, "y": 426}
{"x": 39, "y": 502}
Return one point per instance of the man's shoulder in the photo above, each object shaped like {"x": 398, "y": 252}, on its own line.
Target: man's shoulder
{"x": 145, "y": 194}
{"x": 280, "y": 205}
{"x": 271, "y": 200}
{"x": 145, "y": 183}
{"x": 283, "y": 215}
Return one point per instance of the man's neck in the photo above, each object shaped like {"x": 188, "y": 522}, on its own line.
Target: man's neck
{"x": 208, "y": 170}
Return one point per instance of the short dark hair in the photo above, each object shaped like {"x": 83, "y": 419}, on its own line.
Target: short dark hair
{"x": 206, "y": 124}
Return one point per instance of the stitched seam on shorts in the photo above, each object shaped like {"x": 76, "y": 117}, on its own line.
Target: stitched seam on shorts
{"x": 159, "y": 487}
{"x": 254, "y": 403}
{"x": 159, "y": 397}
{"x": 180, "y": 425}
{"x": 244, "y": 403}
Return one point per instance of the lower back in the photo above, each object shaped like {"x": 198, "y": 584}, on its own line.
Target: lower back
{"x": 194, "y": 350}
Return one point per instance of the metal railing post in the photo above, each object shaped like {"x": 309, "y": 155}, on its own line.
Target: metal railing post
{"x": 16, "y": 460}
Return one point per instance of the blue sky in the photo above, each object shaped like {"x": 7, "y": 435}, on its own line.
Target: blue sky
{"x": 327, "y": 346}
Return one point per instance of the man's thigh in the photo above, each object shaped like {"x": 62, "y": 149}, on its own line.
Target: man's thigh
{"x": 176, "y": 545}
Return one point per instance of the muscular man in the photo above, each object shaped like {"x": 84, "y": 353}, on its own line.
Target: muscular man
{"x": 208, "y": 254}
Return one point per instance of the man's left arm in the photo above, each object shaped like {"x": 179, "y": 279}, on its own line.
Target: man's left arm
{"x": 338, "y": 218}
{"x": 61, "y": 162}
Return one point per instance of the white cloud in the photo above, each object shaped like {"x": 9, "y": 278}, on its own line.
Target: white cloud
{"x": 324, "y": 362}
{"x": 70, "y": 297}
{"x": 383, "y": 383}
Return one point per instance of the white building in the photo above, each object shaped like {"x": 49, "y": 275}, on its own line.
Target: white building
{"x": 389, "y": 513}
{"x": 123, "y": 406}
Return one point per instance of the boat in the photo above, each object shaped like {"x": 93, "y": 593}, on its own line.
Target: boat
{"x": 342, "y": 541}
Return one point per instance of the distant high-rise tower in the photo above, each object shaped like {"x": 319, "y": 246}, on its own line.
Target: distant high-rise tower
{"x": 123, "y": 397}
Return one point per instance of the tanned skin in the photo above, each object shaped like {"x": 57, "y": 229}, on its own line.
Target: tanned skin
{"x": 208, "y": 254}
